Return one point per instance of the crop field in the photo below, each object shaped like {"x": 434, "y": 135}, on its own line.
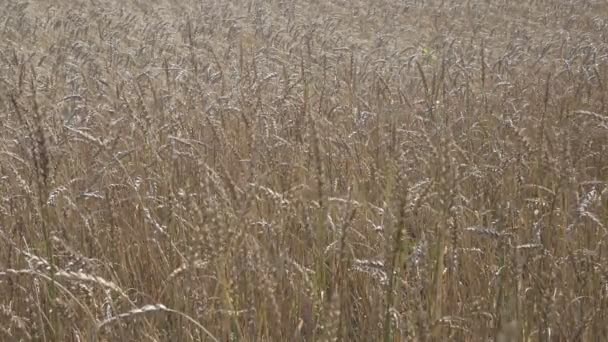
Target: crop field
{"x": 323, "y": 170}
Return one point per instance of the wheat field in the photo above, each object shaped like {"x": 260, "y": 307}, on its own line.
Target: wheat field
{"x": 324, "y": 170}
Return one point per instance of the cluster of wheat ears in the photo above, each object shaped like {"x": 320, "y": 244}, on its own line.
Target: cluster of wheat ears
{"x": 283, "y": 170}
